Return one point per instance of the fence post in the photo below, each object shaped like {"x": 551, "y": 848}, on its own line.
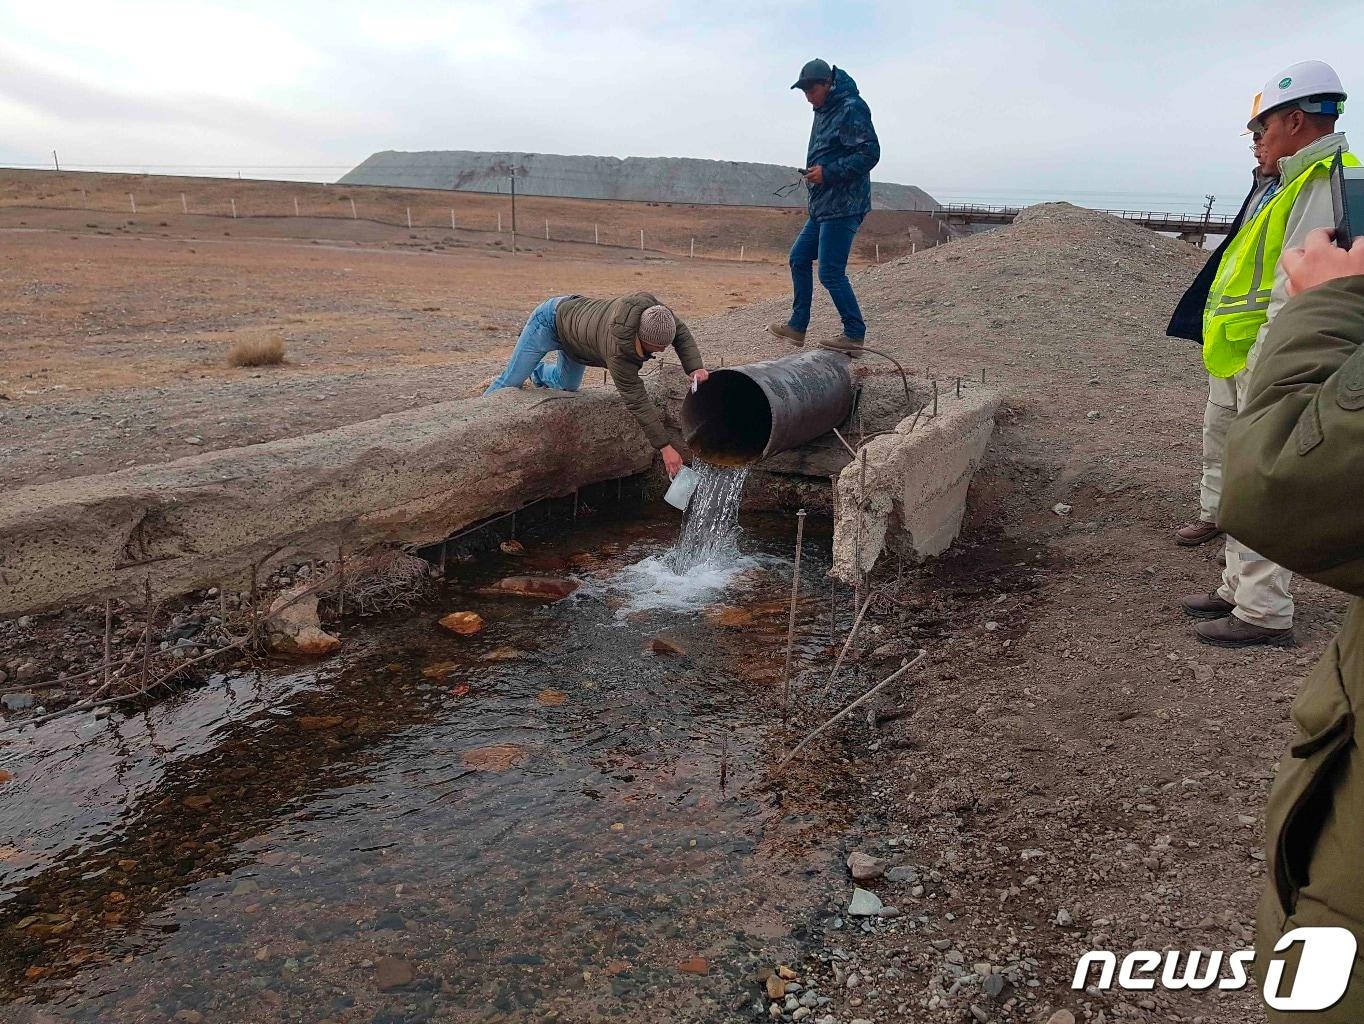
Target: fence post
{"x": 184, "y": 206}
{"x": 546, "y": 230}
{"x": 641, "y": 239}
{"x": 499, "y": 222}
{"x": 693, "y": 248}
{"x": 741, "y": 254}
{"x": 878, "y": 252}
{"x": 353, "y": 214}
{"x": 452, "y": 219}
{"x": 409, "y": 218}
{"x": 234, "y": 209}
{"x": 296, "y": 206}
{"x": 596, "y": 235}
{"x": 132, "y": 202}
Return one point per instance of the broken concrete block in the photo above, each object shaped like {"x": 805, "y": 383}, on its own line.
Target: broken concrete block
{"x": 409, "y": 477}
{"x": 915, "y": 481}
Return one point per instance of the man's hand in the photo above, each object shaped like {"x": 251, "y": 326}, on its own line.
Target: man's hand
{"x": 815, "y": 175}
{"x": 699, "y": 377}
{"x": 672, "y": 462}
{"x": 1321, "y": 260}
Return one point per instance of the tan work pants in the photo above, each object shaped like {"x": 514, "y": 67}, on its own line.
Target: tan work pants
{"x": 1257, "y": 586}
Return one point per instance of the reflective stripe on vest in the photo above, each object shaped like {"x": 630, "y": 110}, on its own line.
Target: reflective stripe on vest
{"x": 1238, "y": 301}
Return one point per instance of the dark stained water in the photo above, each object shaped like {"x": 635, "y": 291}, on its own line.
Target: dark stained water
{"x": 522, "y": 825}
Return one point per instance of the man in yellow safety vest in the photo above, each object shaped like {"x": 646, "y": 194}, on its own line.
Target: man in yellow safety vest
{"x": 1229, "y": 307}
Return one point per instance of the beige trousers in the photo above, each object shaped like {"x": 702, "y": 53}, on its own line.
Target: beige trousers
{"x": 1258, "y": 587}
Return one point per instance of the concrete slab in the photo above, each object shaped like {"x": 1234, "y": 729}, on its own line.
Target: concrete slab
{"x": 412, "y": 477}
{"x": 909, "y": 495}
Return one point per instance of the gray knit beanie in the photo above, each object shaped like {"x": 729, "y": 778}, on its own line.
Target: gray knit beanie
{"x": 657, "y": 327}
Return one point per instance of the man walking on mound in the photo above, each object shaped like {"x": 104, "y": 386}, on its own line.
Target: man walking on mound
{"x": 843, "y": 149}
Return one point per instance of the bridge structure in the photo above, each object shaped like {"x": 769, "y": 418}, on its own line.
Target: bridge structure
{"x": 1193, "y": 228}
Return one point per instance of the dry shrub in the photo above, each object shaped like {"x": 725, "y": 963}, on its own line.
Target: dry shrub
{"x": 395, "y": 580}
{"x": 256, "y": 352}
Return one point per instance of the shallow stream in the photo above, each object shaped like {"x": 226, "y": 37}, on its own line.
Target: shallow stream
{"x": 557, "y": 818}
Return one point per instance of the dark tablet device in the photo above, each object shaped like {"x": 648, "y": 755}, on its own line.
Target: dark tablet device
{"x": 1347, "y": 200}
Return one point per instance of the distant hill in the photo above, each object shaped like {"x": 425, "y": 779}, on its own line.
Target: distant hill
{"x": 648, "y": 179}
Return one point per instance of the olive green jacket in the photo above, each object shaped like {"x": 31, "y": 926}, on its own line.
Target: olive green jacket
{"x": 601, "y": 332}
{"x": 1294, "y": 491}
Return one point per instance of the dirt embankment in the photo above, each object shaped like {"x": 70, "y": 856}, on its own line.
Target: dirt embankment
{"x": 1074, "y": 771}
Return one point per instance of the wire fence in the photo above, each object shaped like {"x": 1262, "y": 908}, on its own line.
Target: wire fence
{"x": 759, "y": 234}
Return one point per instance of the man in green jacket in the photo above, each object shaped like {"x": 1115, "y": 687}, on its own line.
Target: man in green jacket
{"x": 619, "y": 335}
{"x": 1293, "y": 481}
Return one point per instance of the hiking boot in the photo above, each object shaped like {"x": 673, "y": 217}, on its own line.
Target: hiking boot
{"x": 1233, "y": 632}
{"x": 1205, "y": 606}
{"x": 850, "y": 347}
{"x": 1190, "y": 535}
{"x": 787, "y": 333}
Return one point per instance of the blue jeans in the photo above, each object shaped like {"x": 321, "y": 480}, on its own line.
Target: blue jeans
{"x": 828, "y": 241}
{"x": 537, "y": 341}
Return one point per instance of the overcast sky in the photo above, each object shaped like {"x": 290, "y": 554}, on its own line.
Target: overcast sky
{"x": 1080, "y": 98}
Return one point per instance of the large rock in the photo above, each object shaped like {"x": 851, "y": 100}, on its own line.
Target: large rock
{"x": 411, "y": 477}
{"x": 294, "y": 627}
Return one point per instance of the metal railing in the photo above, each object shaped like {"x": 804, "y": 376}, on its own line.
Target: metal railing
{"x": 1191, "y": 221}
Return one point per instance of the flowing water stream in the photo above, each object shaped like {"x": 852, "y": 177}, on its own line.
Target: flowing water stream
{"x": 523, "y": 825}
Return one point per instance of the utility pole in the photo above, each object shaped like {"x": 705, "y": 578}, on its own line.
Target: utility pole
{"x": 513, "y": 195}
{"x": 54, "y": 160}
{"x": 1207, "y": 217}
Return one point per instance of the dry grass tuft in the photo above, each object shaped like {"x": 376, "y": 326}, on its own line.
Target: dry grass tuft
{"x": 257, "y": 352}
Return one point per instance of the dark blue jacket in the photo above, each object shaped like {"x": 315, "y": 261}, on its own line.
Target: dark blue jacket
{"x": 844, "y": 143}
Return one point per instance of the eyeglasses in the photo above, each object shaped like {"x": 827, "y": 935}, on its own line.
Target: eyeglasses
{"x": 786, "y": 190}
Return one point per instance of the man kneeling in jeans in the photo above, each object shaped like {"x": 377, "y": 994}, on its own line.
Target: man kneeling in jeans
{"x": 619, "y": 335}
{"x": 843, "y": 149}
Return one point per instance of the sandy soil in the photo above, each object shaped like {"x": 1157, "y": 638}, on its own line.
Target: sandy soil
{"x": 114, "y": 338}
{"x": 1075, "y": 771}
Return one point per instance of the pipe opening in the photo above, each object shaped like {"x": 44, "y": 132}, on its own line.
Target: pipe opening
{"x": 728, "y": 420}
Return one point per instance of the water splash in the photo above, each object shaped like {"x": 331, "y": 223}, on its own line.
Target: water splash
{"x": 710, "y": 531}
{"x": 706, "y": 558}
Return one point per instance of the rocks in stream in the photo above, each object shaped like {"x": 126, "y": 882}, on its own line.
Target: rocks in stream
{"x": 462, "y": 623}
{"x": 666, "y": 645}
{"x": 543, "y": 588}
{"x": 294, "y": 626}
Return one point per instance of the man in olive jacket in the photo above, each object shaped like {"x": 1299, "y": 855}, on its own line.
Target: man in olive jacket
{"x": 1293, "y": 482}
{"x": 620, "y": 335}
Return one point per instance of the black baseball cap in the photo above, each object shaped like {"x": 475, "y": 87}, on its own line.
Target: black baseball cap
{"x": 815, "y": 71}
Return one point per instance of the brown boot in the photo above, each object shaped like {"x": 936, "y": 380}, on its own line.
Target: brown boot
{"x": 1233, "y": 632}
{"x": 787, "y": 333}
{"x": 1205, "y": 606}
{"x": 850, "y": 347}
{"x": 1190, "y": 535}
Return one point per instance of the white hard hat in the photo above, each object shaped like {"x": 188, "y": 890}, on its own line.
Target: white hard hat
{"x": 1312, "y": 85}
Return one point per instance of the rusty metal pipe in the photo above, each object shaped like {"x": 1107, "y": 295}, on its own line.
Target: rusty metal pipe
{"x": 743, "y": 414}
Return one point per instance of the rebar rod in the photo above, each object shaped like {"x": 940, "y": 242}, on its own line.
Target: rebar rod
{"x": 791, "y": 619}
